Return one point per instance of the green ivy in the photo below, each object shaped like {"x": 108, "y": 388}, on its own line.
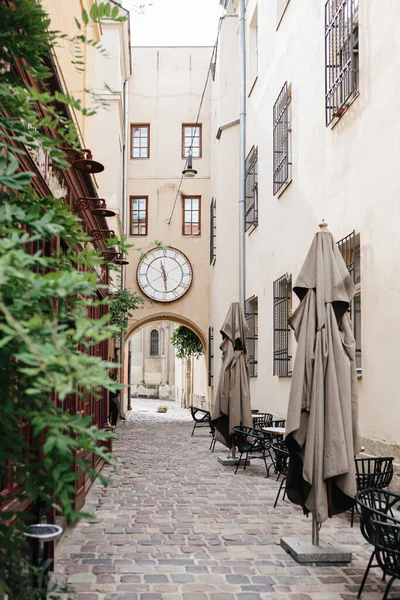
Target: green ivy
{"x": 46, "y": 336}
{"x": 186, "y": 343}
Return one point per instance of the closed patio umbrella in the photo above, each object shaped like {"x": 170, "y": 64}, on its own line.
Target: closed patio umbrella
{"x": 232, "y": 400}
{"x": 322, "y": 419}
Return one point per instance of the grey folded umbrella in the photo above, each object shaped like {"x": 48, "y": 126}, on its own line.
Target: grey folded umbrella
{"x": 322, "y": 418}
{"x": 232, "y": 400}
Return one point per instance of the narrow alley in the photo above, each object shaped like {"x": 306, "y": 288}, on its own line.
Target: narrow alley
{"x": 176, "y": 524}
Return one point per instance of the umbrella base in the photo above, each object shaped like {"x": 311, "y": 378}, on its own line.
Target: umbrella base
{"x": 232, "y": 462}
{"x": 303, "y": 551}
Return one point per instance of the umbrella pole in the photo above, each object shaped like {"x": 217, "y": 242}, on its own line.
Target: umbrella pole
{"x": 315, "y": 532}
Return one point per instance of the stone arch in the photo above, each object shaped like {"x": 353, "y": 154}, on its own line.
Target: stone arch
{"x": 164, "y": 316}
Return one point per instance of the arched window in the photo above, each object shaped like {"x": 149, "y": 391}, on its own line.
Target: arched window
{"x": 154, "y": 343}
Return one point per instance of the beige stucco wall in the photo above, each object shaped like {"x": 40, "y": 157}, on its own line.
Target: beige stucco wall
{"x": 346, "y": 175}
{"x": 165, "y": 91}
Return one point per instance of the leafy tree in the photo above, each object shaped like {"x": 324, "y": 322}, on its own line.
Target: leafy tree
{"x": 186, "y": 343}
{"x": 120, "y": 306}
{"x": 45, "y": 298}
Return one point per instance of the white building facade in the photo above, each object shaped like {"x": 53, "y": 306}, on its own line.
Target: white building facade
{"x": 322, "y": 142}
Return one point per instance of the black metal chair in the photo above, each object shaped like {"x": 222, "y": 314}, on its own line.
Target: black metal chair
{"x": 201, "y": 418}
{"x": 374, "y": 504}
{"x": 281, "y": 466}
{"x": 387, "y": 549}
{"x": 249, "y": 441}
{"x": 270, "y": 438}
{"x": 373, "y": 473}
{"x": 261, "y": 418}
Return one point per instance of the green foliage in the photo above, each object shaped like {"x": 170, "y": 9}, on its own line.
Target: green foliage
{"x": 120, "y": 306}
{"x": 186, "y": 343}
{"x": 46, "y": 335}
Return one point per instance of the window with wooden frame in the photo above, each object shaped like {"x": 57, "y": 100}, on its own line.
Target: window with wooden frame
{"x": 154, "y": 343}
{"x": 140, "y": 140}
{"x": 341, "y": 57}
{"x": 349, "y": 248}
{"x": 282, "y": 294}
{"x": 139, "y": 215}
{"x": 251, "y": 314}
{"x": 251, "y": 188}
{"x": 210, "y": 356}
{"x": 192, "y": 139}
{"x": 282, "y": 140}
{"x": 191, "y": 222}
{"x": 213, "y": 231}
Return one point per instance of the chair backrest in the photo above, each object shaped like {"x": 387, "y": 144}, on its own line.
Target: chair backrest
{"x": 375, "y": 504}
{"x": 281, "y": 458}
{"x": 374, "y": 472}
{"x": 199, "y": 414}
{"x": 387, "y": 546}
{"x": 261, "y": 418}
{"x": 243, "y": 436}
{"x": 279, "y": 423}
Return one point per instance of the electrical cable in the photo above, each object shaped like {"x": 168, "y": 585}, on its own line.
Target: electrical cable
{"x": 197, "y": 118}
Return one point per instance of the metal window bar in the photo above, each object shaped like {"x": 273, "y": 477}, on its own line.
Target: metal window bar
{"x": 251, "y": 189}
{"x": 282, "y": 150}
{"x": 251, "y": 314}
{"x": 351, "y": 256}
{"x": 210, "y": 355}
{"x": 341, "y": 56}
{"x": 154, "y": 343}
{"x": 282, "y": 289}
{"x": 213, "y": 231}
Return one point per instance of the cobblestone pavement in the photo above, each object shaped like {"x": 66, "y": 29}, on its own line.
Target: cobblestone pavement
{"x": 176, "y": 524}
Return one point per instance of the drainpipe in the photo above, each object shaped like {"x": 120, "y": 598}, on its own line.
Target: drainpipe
{"x": 242, "y": 149}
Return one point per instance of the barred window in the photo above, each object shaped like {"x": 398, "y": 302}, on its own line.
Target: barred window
{"x": 210, "y": 356}
{"x": 251, "y": 186}
{"x": 213, "y": 231}
{"x": 282, "y": 140}
{"x": 154, "y": 338}
{"x": 341, "y": 57}
{"x": 349, "y": 248}
{"x": 282, "y": 290}
{"x": 251, "y": 314}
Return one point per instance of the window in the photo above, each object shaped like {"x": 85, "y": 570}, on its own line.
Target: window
{"x": 282, "y": 290}
{"x": 140, "y": 141}
{"x": 213, "y": 231}
{"x": 349, "y": 248}
{"x": 282, "y": 140}
{"x": 191, "y": 139}
{"x": 251, "y": 313}
{"x": 341, "y": 57}
{"x": 154, "y": 343}
{"x": 210, "y": 355}
{"x": 253, "y": 50}
{"x": 139, "y": 215}
{"x": 251, "y": 186}
{"x": 191, "y": 215}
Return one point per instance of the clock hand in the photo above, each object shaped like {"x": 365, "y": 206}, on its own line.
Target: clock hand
{"x": 164, "y": 275}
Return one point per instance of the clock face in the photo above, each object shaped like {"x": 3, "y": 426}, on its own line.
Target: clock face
{"x": 164, "y": 274}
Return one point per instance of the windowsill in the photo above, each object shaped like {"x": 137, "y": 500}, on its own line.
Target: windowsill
{"x": 140, "y": 157}
{"x": 191, "y": 236}
{"x": 193, "y": 157}
{"x": 253, "y": 86}
{"x": 283, "y": 189}
{"x": 337, "y": 120}
{"x": 252, "y": 227}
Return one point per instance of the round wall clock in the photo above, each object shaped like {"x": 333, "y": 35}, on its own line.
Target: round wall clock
{"x": 164, "y": 274}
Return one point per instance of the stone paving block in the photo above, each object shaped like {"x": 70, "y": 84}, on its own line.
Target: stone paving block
{"x": 164, "y": 529}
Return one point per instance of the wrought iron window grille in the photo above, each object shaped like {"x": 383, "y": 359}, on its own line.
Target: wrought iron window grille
{"x": 210, "y": 356}
{"x": 282, "y": 140}
{"x": 349, "y": 248}
{"x": 251, "y": 187}
{"x": 282, "y": 290}
{"x": 154, "y": 343}
{"x": 341, "y": 57}
{"x": 251, "y": 314}
{"x": 213, "y": 231}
